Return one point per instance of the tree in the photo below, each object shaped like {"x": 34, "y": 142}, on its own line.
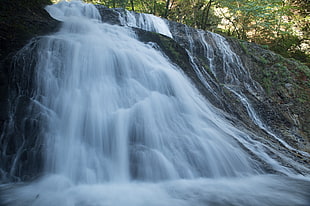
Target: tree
{"x": 132, "y": 5}
{"x": 282, "y": 24}
{"x": 167, "y": 8}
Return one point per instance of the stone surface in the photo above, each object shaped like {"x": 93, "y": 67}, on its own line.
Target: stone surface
{"x": 20, "y": 150}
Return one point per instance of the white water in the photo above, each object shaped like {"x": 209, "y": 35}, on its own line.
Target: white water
{"x": 127, "y": 128}
{"x": 127, "y": 113}
{"x": 146, "y": 22}
{"x": 254, "y": 117}
{"x": 233, "y": 69}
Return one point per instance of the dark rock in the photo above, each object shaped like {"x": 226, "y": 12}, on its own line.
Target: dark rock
{"x": 20, "y": 151}
{"x": 111, "y": 16}
{"x": 285, "y": 105}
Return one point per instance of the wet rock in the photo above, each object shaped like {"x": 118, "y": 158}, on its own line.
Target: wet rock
{"x": 20, "y": 150}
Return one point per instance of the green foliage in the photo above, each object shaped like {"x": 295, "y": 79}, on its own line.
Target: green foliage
{"x": 283, "y": 25}
{"x": 243, "y": 46}
{"x": 263, "y": 60}
{"x": 254, "y": 20}
{"x": 274, "y": 76}
{"x": 196, "y": 13}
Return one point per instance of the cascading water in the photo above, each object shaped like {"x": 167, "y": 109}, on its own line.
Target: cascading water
{"x": 126, "y": 127}
{"x": 126, "y": 113}
{"x": 227, "y": 67}
{"x": 146, "y": 22}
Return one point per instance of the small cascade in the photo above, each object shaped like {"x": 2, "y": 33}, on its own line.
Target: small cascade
{"x": 202, "y": 74}
{"x": 217, "y": 50}
{"x": 65, "y": 10}
{"x": 232, "y": 66}
{"x": 208, "y": 51}
{"x": 228, "y": 70}
{"x": 255, "y": 118}
{"x": 146, "y": 22}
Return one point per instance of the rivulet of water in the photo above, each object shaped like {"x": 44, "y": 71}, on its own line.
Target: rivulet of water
{"x": 126, "y": 127}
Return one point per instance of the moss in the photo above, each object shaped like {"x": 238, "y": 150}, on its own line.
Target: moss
{"x": 263, "y": 60}
{"x": 171, "y": 48}
{"x": 274, "y": 72}
{"x": 243, "y": 46}
{"x": 266, "y": 83}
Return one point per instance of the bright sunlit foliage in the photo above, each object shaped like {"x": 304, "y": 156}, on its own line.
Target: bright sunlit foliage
{"x": 283, "y": 25}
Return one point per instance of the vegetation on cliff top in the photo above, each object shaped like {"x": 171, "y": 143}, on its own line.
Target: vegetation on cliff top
{"x": 283, "y": 25}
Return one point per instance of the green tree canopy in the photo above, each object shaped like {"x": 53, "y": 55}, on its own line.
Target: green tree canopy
{"x": 283, "y": 25}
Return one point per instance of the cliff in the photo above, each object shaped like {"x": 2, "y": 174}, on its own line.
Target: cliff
{"x": 20, "y": 21}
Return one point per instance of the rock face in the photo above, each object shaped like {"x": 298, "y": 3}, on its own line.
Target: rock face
{"x": 258, "y": 90}
{"x": 287, "y": 91}
{"x": 262, "y": 89}
{"x": 20, "y": 21}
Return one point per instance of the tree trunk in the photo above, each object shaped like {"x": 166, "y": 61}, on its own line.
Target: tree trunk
{"x": 206, "y": 19}
{"x": 154, "y": 7}
{"x": 167, "y": 8}
{"x": 132, "y": 5}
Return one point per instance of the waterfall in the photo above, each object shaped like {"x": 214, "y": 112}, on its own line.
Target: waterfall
{"x": 231, "y": 73}
{"x": 146, "y": 22}
{"x": 126, "y": 113}
{"x": 125, "y": 126}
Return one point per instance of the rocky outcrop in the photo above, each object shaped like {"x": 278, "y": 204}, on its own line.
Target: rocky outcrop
{"x": 266, "y": 92}
{"x": 273, "y": 119}
{"x": 287, "y": 91}
{"x": 258, "y": 89}
{"x": 20, "y": 21}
